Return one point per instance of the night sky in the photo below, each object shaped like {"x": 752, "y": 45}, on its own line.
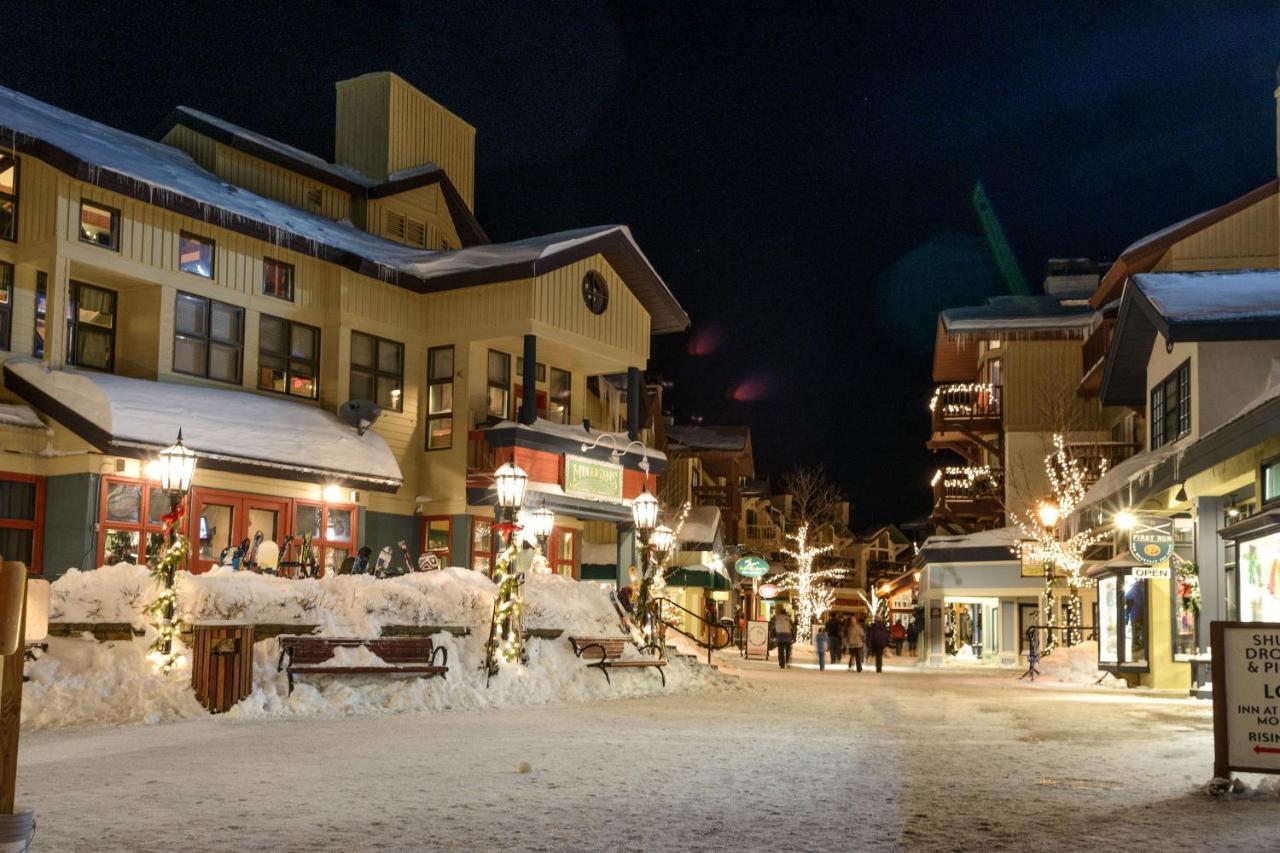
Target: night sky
{"x": 800, "y": 174}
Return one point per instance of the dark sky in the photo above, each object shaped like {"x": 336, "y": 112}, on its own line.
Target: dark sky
{"x": 799, "y": 173}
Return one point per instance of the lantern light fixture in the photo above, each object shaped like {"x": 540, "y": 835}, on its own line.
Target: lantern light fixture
{"x": 644, "y": 511}
{"x": 177, "y": 467}
{"x": 510, "y": 482}
{"x": 1048, "y": 512}
{"x": 664, "y": 538}
{"x": 541, "y": 523}
{"x": 1125, "y": 519}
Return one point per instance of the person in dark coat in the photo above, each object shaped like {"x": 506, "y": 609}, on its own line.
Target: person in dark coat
{"x": 783, "y": 634}
{"x": 878, "y": 640}
{"x": 913, "y": 635}
{"x": 835, "y": 634}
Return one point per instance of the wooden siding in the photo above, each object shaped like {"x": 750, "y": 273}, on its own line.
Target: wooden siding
{"x": 422, "y": 131}
{"x": 1039, "y": 379}
{"x": 362, "y": 122}
{"x": 424, "y": 205}
{"x": 1249, "y": 238}
{"x": 557, "y": 300}
{"x": 37, "y": 188}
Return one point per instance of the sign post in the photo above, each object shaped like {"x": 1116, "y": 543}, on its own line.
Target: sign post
{"x": 754, "y": 567}
{"x": 757, "y": 640}
{"x": 1246, "y": 697}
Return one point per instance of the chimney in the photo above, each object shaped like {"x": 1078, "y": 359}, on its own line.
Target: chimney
{"x": 385, "y": 126}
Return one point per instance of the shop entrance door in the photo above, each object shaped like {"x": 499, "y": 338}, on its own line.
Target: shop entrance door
{"x": 222, "y": 520}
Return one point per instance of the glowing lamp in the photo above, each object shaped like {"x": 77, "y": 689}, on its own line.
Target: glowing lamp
{"x": 510, "y": 482}
{"x": 644, "y": 511}
{"x": 177, "y": 467}
{"x": 1125, "y": 520}
{"x": 541, "y": 523}
{"x": 1048, "y": 513}
{"x": 664, "y": 538}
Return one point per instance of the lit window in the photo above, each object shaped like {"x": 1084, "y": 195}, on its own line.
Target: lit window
{"x": 195, "y": 255}
{"x": 439, "y": 398}
{"x": 499, "y": 397}
{"x": 21, "y": 517}
{"x": 436, "y": 533}
{"x": 377, "y": 371}
{"x": 8, "y": 197}
{"x": 561, "y": 392}
{"x": 288, "y": 357}
{"x": 42, "y": 302}
{"x": 100, "y": 226}
{"x": 208, "y": 338}
{"x": 91, "y": 327}
{"x": 277, "y": 279}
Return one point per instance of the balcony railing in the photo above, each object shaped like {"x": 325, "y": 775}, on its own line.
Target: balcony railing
{"x": 1099, "y": 456}
{"x": 763, "y": 536}
{"x": 480, "y": 456}
{"x": 1096, "y": 345}
{"x": 968, "y": 492}
{"x": 969, "y": 405}
{"x": 717, "y": 496}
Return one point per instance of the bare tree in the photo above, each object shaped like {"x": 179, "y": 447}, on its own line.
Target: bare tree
{"x": 815, "y": 500}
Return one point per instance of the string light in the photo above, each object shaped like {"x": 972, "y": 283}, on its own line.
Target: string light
{"x": 813, "y": 600}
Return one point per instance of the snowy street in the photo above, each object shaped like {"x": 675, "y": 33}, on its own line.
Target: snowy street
{"x": 801, "y": 761}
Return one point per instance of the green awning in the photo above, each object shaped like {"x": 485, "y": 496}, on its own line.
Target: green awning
{"x": 603, "y": 572}
{"x": 697, "y": 577}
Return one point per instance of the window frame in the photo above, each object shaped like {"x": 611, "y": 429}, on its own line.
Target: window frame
{"x": 556, "y": 560}
{"x": 40, "y": 325}
{"x": 114, "y": 213}
{"x": 13, "y": 198}
{"x": 568, "y": 394}
{"x": 475, "y": 551}
{"x": 35, "y": 524}
{"x": 292, "y": 278}
{"x": 74, "y": 322}
{"x": 213, "y": 255}
{"x": 321, "y": 546}
{"x": 289, "y": 358}
{"x": 10, "y": 272}
{"x": 1179, "y": 381}
{"x": 208, "y": 338}
{"x": 143, "y": 527}
{"x": 1121, "y": 664}
{"x": 375, "y": 371}
{"x": 1272, "y": 463}
{"x": 432, "y": 382}
{"x": 424, "y": 526}
{"x": 490, "y": 383}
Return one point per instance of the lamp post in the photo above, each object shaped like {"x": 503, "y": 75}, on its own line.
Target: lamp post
{"x": 177, "y": 464}
{"x": 506, "y": 630}
{"x": 644, "y": 514}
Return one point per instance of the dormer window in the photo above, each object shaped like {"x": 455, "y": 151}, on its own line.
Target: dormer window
{"x": 1171, "y": 407}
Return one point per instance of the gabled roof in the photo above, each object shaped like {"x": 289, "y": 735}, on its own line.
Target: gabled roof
{"x": 1237, "y": 305}
{"x": 157, "y": 174}
{"x": 1142, "y": 255}
{"x": 1008, "y": 317}
{"x": 341, "y": 177}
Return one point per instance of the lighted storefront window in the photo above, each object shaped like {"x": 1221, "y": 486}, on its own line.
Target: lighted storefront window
{"x": 481, "y": 544}
{"x": 1108, "y": 642}
{"x": 1123, "y": 627}
{"x": 1259, "y": 572}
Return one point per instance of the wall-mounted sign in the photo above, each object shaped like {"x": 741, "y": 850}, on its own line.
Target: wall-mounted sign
{"x": 757, "y": 640}
{"x": 592, "y": 478}
{"x": 751, "y": 566}
{"x": 1246, "y": 697}
{"x": 1033, "y": 562}
{"x": 768, "y": 590}
{"x": 1151, "y": 573}
{"x": 1151, "y": 539}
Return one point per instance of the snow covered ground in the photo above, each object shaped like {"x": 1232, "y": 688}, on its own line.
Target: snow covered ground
{"x": 910, "y": 759}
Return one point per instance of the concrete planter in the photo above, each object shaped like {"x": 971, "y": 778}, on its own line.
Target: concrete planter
{"x": 17, "y": 830}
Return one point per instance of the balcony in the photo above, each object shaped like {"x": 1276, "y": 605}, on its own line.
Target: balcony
{"x": 878, "y": 570}
{"x": 763, "y": 537}
{"x": 968, "y": 497}
{"x": 1092, "y": 356}
{"x": 1094, "y": 455}
{"x": 967, "y": 417}
{"x": 717, "y": 496}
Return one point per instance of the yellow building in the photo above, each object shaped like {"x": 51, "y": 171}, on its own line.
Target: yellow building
{"x": 243, "y": 290}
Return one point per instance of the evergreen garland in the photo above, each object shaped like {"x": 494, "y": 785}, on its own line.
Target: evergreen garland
{"x": 163, "y": 572}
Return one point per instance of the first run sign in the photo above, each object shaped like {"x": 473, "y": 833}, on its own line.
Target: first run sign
{"x": 1246, "y": 697}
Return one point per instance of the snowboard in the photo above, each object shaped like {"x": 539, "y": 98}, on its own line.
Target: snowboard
{"x": 428, "y": 562}
{"x": 383, "y": 563}
{"x": 250, "y": 562}
{"x": 409, "y": 564}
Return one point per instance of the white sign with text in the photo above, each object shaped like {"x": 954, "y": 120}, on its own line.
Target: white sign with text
{"x": 1248, "y": 663}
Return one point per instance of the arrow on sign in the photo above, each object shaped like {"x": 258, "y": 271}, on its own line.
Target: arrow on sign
{"x": 1262, "y": 749}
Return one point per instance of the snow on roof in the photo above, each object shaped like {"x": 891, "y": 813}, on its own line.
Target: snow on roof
{"x": 1065, "y": 313}
{"x": 1218, "y": 297}
{"x": 709, "y": 437}
{"x": 1133, "y": 469}
{"x": 700, "y": 525}
{"x": 20, "y": 415}
{"x": 227, "y": 426}
{"x": 523, "y": 252}
{"x": 599, "y": 553}
{"x": 620, "y": 440}
{"x": 1006, "y": 537}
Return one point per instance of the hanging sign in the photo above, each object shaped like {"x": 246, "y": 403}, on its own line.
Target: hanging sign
{"x": 592, "y": 478}
{"x": 768, "y": 591}
{"x": 751, "y": 566}
{"x": 757, "y": 640}
{"x": 1154, "y": 573}
{"x": 1151, "y": 539}
{"x": 1246, "y": 697}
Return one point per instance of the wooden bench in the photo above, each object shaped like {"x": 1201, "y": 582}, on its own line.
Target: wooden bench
{"x": 609, "y": 652}
{"x": 404, "y": 656}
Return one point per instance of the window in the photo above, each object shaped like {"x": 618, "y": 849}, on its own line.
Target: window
{"x": 564, "y": 551}
{"x": 333, "y": 532}
{"x": 1171, "y": 407}
{"x": 395, "y": 226}
{"x": 131, "y": 518}
{"x": 277, "y": 279}
{"x": 91, "y": 327}
{"x": 436, "y": 533}
{"x": 42, "y": 304}
{"x": 195, "y": 255}
{"x": 1271, "y": 481}
{"x": 22, "y": 518}
{"x": 1122, "y": 623}
{"x": 6, "y": 305}
{"x": 377, "y": 371}
{"x": 288, "y": 357}
{"x": 8, "y": 197}
{"x": 481, "y": 544}
{"x": 595, "y": 292}
{"x": 561, "y": 391}
{"x": 499, "y": 401}
{"x": 539, "y": 370}
{"x": 100, "y": 226}
{"x": 439, "y": 398}
{"x": 208, "y": 338}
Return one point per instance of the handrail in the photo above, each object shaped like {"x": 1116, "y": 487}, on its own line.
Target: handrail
{"x": 709, "y": 643}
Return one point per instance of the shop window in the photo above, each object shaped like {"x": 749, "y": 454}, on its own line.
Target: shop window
{"x": 8, "y": 197}
{"x": 131, "y": 518}
{"x": 481, "y": 545}
{"x": 100, "y": 225}
{"x": 91, "y": 327}
{"x": 6, "y": 305}
{"x": 439, "y": 398}
{"x": 333, "y": 532}
{"x": 539, "y": 370}
{"x": 436, "y": 534}
{"x": 561, "y": 395}
{"x": 288, "y": 357}
{"x": 42, "y": 304}
{"x": 1259, "y": 578}
{"x": 208, "y": 338}
{"x": 195, "y": 255}
{"x": 1271, "y": 481}
{"x": 1122, "y": 622}
{"x": 564, "y": 551}
{"x": 22, "y": 519}
{"x": 277, "y": 279}
{"x": 499, "y": 398}
{"x": 377, "y": 371}
{"x": 1171, "y": 407}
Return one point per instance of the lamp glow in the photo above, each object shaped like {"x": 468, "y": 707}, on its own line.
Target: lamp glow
{"x": 1048, "y": 513}
{"x": 510, "y": 482}
{"x": 177, "y": 467}
{"x": 664, "y": 538}
{"x": 1125, "y": 520}
{"x": 541, "y": 522}
{"x": 644, "y": 511}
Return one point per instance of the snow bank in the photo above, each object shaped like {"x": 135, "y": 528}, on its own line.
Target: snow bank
{"x": 1076, "y": 665}
{"x": 81, "y": 681}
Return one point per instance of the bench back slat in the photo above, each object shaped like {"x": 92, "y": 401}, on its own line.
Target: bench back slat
{"x": 304, "y": 651}
{"x": 613, "y": 646}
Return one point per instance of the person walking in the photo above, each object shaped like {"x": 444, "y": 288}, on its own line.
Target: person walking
{"x": 783, "y": 636}
{"x": 855, "y": 638}
{"x": 835, "y": 632}
{"x": 913, "y": 636}
{"x": 878, "y": 640}
{"x": 898, "y": 634}
{"x": 820, "y": 645}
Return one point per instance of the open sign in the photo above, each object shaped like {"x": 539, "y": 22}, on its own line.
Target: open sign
{"x": 769, "y": 590}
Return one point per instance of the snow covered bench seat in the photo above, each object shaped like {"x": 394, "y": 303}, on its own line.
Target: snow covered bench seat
{"x": 355, "y": 656}
{"x": 609, "y": 652}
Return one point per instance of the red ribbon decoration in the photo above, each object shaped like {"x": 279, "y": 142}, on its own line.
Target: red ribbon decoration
{"x": 171, "y": 518}
{"x": 506, "y": 527}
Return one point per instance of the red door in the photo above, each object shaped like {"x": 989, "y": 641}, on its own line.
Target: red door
{"x": 222, "y": 520}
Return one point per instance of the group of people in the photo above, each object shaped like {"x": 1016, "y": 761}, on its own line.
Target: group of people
{"x": 843, "y": 636}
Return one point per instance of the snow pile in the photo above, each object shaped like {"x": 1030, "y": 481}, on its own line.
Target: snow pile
{"x": 1076, "y": 665}
{"x": 118, "y": 593}
{"x": 1267, "y": 787}
{"x": 555, "y": 601}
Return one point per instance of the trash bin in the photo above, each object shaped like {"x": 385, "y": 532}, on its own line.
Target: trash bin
{"x": 221, "y": 663}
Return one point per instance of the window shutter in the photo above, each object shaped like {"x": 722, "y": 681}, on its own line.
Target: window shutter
{"x": 395, "y": 225}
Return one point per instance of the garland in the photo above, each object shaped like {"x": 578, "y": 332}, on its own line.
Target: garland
{"x": 164, "y": 570}
{"x": 506, "y": 630}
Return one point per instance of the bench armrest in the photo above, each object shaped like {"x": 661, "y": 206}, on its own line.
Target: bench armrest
{"x": 442, "y": 653}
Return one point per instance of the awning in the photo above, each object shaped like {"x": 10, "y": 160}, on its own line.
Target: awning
{"x": 229, "y": 430}
{"x": 701, "y": 527}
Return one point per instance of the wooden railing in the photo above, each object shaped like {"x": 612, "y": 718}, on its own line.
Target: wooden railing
{"x": 480, "y": 456}
{"x": 767, "y": 536}
{"x": 969, "y": 492}
{"x": 1096, "y": 345}
{"x": 717, "y": 496}
{"x": 971, "y": 404}
{"x": 1092, "y": 455}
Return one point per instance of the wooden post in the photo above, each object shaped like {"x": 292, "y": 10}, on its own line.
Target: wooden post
{"x": 11, "y": 707}
{"x": 1221, "y": 765}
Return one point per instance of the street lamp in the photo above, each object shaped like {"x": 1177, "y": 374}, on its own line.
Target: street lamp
{"x": 510, "y": 482}
{"x": 663, "y": 538}
{"x": 1048, "y": 512}
{"x": 177, "y": 468}
{"x": 644, "y": 512}
{"x": 1125, "y": 519}
{"x": 542, "y": 521}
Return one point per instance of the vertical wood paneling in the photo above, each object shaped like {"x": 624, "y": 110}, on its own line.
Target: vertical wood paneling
{"x": 1246, "y": 239}
{"x": 422, "y": 131}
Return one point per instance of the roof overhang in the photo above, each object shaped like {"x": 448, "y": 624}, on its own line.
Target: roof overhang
{"x": 235, "y": 431}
